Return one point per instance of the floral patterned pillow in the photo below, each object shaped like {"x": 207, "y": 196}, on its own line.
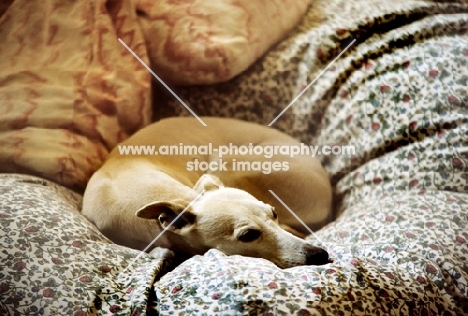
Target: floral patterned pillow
{"x": 55, "y": 262}
{"x": 209, "y": 41}
{"x": 388, "y": 266}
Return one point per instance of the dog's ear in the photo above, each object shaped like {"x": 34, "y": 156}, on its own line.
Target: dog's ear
{"x": 165, "y": 212}
{"x": 207, "y": 182}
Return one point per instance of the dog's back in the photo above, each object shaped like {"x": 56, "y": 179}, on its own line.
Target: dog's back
{"x": 304, "y": 186}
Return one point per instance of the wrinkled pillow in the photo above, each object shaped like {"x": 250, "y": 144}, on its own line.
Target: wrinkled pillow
{"x": 69, "y": 91}
{"x": 210, "y": 41}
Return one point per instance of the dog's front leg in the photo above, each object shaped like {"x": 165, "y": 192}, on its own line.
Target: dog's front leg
{"x": 162, "y": 253}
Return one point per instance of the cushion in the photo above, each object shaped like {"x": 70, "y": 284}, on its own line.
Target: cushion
{"x": 395, "y": 264}
{"x": 54, "y": 262}
{"x": 210, "y": 41}
{"x": 69, "y": 91}
{"x": 398, "y": 96}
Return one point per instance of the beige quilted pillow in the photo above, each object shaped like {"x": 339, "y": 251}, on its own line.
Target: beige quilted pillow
{"x": 69, "y": 91}
{"x": 210, "y": 41}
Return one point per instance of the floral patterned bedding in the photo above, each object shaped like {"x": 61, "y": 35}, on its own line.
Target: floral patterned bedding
{"x": 400, "y": 240}
{"x": 54, "y": 262}
{"x": 386, "y": 263}
{"x": 399, "y": 95}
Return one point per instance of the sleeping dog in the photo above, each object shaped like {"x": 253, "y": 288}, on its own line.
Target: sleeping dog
{"x": 216, "y": 194}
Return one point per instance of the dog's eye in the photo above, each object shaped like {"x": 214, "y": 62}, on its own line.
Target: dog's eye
{"x": 250, "y": 235}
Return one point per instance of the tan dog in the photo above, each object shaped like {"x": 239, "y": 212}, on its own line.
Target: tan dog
{"x": 132, "y": 198}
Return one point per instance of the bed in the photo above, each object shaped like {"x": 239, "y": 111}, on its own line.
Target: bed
{"x": 397, "y": 94}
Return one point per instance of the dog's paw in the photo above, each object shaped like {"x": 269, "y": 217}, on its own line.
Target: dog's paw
{"x": 162, "y": 253}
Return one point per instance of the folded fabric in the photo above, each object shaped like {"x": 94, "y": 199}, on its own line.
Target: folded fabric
{"x": 209, "y": 41}
{"x": 69, "y": 91}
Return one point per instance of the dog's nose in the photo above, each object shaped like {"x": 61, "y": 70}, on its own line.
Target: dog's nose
{"x": 317, "y": 256}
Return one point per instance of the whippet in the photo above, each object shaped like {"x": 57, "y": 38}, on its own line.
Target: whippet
{"x": 221, "y": 194}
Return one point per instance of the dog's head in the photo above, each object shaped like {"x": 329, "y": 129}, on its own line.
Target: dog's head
{"x": 234, "y": 222}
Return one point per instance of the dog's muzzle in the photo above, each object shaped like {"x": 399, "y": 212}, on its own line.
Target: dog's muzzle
{"x": 317, "y": 256}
